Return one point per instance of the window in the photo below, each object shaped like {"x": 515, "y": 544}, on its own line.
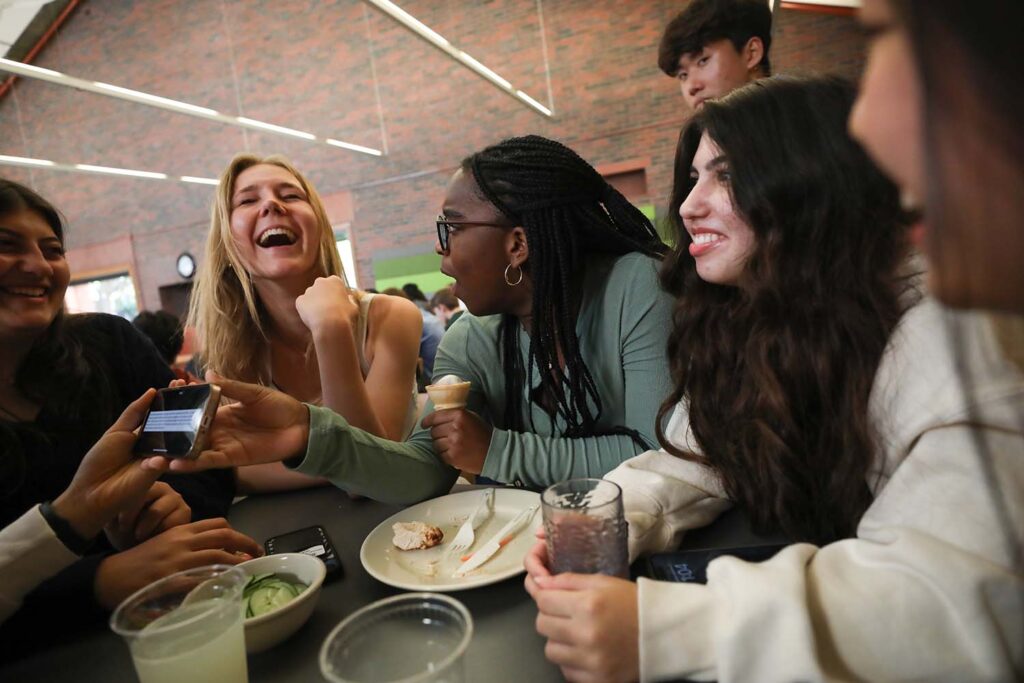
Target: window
{"x": 113, "y": 294}
{"x": 344, "y": 246}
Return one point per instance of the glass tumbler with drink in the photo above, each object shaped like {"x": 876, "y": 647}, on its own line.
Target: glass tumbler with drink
{"x": 585, "y": 528}
{"x": 187, "y": 627}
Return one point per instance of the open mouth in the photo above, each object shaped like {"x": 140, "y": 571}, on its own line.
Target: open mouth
{"x": 277, "y": 237}
{"x": 27, "y": 292}
{"x": 705, "y": 241}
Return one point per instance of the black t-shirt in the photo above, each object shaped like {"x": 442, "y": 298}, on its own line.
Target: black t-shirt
{"x": 53, "y": 445}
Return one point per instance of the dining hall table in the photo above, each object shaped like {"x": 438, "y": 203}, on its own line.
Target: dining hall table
{"x": 505, "y": 647}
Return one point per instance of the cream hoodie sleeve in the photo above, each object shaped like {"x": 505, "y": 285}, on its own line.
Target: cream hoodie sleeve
{"x": 29, "y": 554}
{"x": 663, "y": 495}
{"x": 928, "y": 590}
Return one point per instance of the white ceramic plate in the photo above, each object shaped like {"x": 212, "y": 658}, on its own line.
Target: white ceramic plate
{"x": 430, "y": 570}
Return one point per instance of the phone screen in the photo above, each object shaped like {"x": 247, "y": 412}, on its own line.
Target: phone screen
{"x": 311, "y": 541}
{"x": 300, "y": 541}
{"x": 174, "y": 420}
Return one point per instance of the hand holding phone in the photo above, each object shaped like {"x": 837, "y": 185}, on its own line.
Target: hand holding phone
{"x": 177, "y": 421}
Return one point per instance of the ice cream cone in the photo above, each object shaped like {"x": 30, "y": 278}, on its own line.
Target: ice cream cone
{"x": 445, "y": 396}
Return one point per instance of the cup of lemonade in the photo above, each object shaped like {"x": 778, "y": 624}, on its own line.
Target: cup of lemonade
{"x": 187, "y": 627}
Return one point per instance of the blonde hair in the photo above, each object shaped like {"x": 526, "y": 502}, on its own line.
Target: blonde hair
{"x": 225, "y": 308}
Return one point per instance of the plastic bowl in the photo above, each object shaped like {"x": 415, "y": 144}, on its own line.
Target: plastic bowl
{"x": 267, "y": 630}
{"x": 408, "y": 638}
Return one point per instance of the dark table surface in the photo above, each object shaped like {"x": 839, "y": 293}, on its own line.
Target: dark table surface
{"x": 505, "y": 646}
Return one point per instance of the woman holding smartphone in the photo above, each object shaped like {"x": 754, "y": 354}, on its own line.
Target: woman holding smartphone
{"x": 63, "y": 381}
{"x": 815, "y": 391}
{"x": 271, "y": 306}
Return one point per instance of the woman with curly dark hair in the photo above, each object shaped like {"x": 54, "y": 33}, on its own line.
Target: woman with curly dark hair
{"x": 816, "y": 390}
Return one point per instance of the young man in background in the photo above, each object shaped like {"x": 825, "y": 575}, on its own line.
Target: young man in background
{"x": 715, "y": 46}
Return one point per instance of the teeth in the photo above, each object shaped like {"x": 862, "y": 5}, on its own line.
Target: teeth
{"x": 908, "y": 202}
{"x": 706, "y": 238}
{"x": 27, "y": 291}
{"x": 265, "y": 237}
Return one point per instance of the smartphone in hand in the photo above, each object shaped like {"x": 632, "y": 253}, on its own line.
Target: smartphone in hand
{"x": 177, "y": 421}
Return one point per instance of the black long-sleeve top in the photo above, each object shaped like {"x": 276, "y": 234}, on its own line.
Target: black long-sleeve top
{"x": 52, "y": 446}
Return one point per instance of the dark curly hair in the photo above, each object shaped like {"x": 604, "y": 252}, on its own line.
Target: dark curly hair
{"x": 568, "y": 212}
{"x": 777, "y": 371}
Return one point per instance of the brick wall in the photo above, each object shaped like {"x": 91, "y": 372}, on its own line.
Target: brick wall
{"x": 307, "y": 64}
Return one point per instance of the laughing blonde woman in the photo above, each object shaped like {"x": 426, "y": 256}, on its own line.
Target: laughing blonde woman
{"x": 271, "y": 306}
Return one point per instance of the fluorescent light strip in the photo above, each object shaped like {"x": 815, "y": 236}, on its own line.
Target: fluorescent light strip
{"x": 37, "y": 69}
{"x": 201, "y": 181}
{"x": 121, "y": 171}
{"x": 441, "y": 43}
{"x": 116, "y": 91}
{"x": 253, "y": 123}
{"x": 156, "y": 99}
{"x": 354, "y": 148}
{"x": 413, "y": 23}
{"x": 105, "y": 170}
{"x": 484, "y": 71}
{"x": 24, "y": 161}
{"x": 533, "y": 103}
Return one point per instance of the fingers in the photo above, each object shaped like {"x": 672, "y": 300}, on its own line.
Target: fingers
{"x": 558, "y": 629}
{"x": 568, "y": 581}
{"x": 560, "y": 603}
{"x": 208, "y": 524}
{"x": 156, "y": 464}
{"x": 204, "y": 461}
{"x": 574, "y": 675}
{"x": 201, "y": 558}
{"x": 175, "y": 383}
{"x": 441, "y": 417}
{"x": 536, "y": 560}
{"x": 238, "y": 391}
{"x": 128, "y": 517}
{"x": 133, "y": 415}
{"x": 169, "y": 510}
{"x": 226, "y": 539}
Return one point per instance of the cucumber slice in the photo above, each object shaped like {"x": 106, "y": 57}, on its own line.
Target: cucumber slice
{"x": 266, "y": 592}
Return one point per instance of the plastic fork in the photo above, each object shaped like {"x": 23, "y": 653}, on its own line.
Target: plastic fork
{"x": 467, "y": 532}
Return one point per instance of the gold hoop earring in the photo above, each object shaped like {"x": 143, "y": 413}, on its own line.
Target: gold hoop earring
{"x": 508, "y": 281}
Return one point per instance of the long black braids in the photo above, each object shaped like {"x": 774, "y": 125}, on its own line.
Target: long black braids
{"x": 568, "y": 212}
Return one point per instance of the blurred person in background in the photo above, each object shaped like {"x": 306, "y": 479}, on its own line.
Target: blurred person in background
{"x": 433, "y": 328}
{"x": 715, "y": 46}
{"x": 446, "y": 306}
{"x": 167, "y": 333}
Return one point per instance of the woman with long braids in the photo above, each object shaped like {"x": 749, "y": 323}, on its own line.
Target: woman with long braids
{"x": 564, "y": 349}
{"x": 553, "y": 263}
{"x": 818, "y": 392}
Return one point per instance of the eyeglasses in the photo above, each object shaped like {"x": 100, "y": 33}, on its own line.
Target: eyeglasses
{"x": 445, "y": 228}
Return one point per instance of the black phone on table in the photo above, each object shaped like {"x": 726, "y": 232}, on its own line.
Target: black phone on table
{"x": 313, "y": 541}
{"x": 177, "y": 421}
{"x": 691, "y": 566}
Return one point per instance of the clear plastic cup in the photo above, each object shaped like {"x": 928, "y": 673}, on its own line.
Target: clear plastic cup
{"x": 585, "y": 528}
{"x": 187, "y": 627}
{"x": 408, "y": 638}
